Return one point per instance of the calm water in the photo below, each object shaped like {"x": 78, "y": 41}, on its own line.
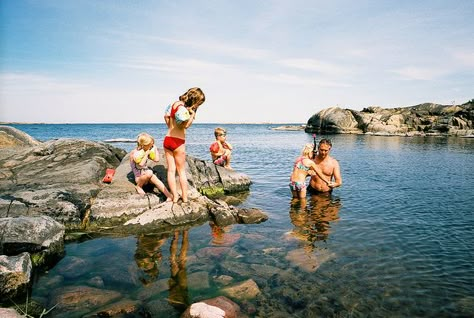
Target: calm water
{"x": 395, "y": 240}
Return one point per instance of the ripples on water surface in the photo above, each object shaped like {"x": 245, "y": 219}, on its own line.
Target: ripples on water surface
{"x": 395, "y": 240}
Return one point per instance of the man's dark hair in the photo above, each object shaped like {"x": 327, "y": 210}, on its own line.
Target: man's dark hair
{"x": 325, "y": 141}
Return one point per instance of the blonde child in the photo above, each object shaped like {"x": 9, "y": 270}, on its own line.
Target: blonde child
{"x": 179, "y": 116}
{"x": 221, "y": 150}
{"x": 138, "y": 161}
{"x": 303, "y": 167}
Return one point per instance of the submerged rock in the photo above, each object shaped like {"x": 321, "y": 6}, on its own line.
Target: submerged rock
{"x": 81, "y": 299}
{"x": 309, "y": 260}
{"x": 10, "y": 313}
{"x": 215, "y": 307}
{"x": 245, "y": 290}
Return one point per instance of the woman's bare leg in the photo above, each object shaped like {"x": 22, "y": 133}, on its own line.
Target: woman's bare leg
{"x": 171, "y": 174}
{"x": 180, "y": 159}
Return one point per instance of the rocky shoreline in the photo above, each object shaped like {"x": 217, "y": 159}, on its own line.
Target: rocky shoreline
{"x": 51, "y": 188}
{"x": 420, "y": 120}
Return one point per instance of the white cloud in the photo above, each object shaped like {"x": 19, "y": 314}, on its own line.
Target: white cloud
{"x": 464, "y": 57}
{"x": 12, "y": 83}
{"x": 322, "y": 67}
{"x": 172, "y": 65}
{"x": 226, "y": 49}
{"x": 295, "y": 80}
{"x": 419, "y": 73}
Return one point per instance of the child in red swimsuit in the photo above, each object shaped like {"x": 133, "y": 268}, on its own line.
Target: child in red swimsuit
{"x": 221, "y": 150}
{"x": 178, "y": 117}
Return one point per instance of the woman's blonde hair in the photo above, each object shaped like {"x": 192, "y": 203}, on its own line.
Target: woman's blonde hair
{"x": 144, "y": 139}
{"x": 307, "y": 150}
{"x": 193, "y": 97}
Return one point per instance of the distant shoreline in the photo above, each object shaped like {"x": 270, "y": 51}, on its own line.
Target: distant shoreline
{"x": 262, "y": 123}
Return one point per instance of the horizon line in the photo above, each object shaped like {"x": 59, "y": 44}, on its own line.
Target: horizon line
{"x": 147, "y": 123}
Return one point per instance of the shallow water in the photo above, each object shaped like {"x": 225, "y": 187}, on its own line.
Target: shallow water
{"x": 395, "y": 240}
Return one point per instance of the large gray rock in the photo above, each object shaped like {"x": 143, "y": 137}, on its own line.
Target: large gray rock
{"x": 12, "y": 137}
{"x": 15, "y": 275}
{"x": 57, "y": 178}
{"x": 119, "y": 200}
{"x": 41, "y": 236}
{"x": 334, "y": 120}
{"x": 62, "y": 179}
{"x": 421, "y": 119}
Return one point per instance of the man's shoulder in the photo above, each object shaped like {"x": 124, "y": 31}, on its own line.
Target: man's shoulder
{"x": 333, "y": 161}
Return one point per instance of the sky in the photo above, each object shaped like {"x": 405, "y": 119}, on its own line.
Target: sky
{"x": 124, "y": 61}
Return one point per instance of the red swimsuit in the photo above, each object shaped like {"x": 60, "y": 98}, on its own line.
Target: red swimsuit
{"x": 172, "y": 143}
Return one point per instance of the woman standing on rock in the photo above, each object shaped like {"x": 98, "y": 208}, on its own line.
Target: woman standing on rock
{"x": 179, "y": 116}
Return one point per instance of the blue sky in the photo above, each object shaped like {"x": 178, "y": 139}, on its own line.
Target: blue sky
{"x": 257, "y": 61}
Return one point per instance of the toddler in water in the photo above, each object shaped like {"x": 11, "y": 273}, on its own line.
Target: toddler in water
{"x": 138, "y": 161}
{"x": 303, "y": 167}
{"x": 221, "y": 150}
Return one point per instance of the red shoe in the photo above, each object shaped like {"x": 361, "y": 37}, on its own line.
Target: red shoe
{"x": 109, "y": 173}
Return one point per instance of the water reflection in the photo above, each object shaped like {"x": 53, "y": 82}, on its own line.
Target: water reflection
{"x": 148, "y": 256}
{"x": 219, "y": 234}
{"x": 178, "y": 283}
{"x": 312, "y": 219}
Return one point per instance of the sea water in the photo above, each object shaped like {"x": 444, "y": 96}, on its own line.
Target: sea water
{"x": 396, "y": 239}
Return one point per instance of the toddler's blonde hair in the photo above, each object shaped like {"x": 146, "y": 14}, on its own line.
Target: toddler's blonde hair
{"x": 144, "y": 139}
{"x": 307, "y": 150}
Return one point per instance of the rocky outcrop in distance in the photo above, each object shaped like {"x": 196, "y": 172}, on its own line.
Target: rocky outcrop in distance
{"x": 420, "y": 120}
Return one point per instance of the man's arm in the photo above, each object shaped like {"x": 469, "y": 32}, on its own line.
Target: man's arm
{"x": 337, "y": 176}
{"x": 319, "y": 173}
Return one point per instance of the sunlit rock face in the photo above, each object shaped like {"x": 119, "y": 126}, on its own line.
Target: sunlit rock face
{"x": 423, "y": 119}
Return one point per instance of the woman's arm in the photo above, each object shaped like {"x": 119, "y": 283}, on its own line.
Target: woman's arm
{"x": 167, "y": 116}
{"x": 189, "y": 122}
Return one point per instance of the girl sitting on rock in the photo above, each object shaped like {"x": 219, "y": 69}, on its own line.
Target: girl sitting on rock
{"x": 138, "y": 161}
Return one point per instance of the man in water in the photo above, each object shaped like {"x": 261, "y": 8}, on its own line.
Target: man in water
{"x": 330, "y": 168}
